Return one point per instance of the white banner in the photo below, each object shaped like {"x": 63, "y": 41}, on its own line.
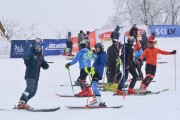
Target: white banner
{"x": 5, "y": 48}
{"x": 105, "y": 34}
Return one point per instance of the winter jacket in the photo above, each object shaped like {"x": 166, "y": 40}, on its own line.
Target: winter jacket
{"x": 100, "y": 62}
{"x": 69, "y": 42}
{"x": 115, "y": 35}
{"x": 133, "y": 32}
{"x": 129, "y": 57}
{"x": 34, "y": 61}
{"x": 151, "y": 55}
{"x": 112, "y": 56}
{"x": 80, "y": 38}
{"x": 83, "y": 57}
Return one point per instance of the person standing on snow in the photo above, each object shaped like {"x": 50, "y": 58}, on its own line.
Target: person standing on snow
{"x": 151, "y": 54}
{"x": 80, "y": 37}
{"x": 69, "y": 43}
{"x": 34, "y": 60}
{"x": 113, "y": 65}
{"x": 134, "y": 32}
{"x": 129, "y": 68}
{"x": 97, "y": 71}
{"x": 138, "y": 52}
{"x": 85, "y": 65}
{"x": 115, "y": 34}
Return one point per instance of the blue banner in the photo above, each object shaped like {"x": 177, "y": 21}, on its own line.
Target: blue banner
{"x": 54, "y": 46}
{"x": 18, "y": 48}
{"x": 166, "y": 30}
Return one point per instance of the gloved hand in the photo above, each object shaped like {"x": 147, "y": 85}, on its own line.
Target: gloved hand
{"x": 173, "y": 52}
{"x": 94, "y": 51}
{"x": 67, "y": 65}
{"x": 139, "y": 61}
{"x": 45, "y": 66}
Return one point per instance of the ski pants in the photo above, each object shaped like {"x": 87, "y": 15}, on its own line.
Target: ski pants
{"x": 31, "y": 89}
{"x": 150, "y": 73}
{"x": 82, "y": 78}
{"x": 133, "y": 72}
{"x": 113, "y": 74}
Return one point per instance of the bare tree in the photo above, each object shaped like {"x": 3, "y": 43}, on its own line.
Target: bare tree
{"x": 13, "y": 28}
{"x": 29, "y": 32}
{"x": 148, "y": 12}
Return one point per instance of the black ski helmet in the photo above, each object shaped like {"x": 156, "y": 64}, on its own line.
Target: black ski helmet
{"x": 99, "y": 45}
{"x": 130, "y": 41}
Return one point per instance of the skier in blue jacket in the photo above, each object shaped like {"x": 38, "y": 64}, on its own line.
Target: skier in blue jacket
{"x": 84, "y": 65}
{"x": 34, "y": 60}
{"x": 97, "y": 73}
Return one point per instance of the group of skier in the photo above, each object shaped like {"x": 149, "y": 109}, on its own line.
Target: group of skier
{"x": 130, "y": 59}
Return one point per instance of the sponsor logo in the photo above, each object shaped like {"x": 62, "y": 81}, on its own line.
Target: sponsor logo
{"x": 105, "y": 36}
{"x": 57, "y": 46}
{"x": 165, "y": 31}
{"x": 18, "y": 49}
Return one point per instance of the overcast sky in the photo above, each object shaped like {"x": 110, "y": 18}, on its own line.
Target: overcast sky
{"x": 50, "y": 15}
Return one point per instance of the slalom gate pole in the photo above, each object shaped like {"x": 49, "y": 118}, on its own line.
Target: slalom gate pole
{"x": 175, "y": 69}
{"x": 124, "y": 67}
{"x": 70, "y": 81}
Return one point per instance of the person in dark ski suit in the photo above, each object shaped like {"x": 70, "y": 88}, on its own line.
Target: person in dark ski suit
{"x": 129, "y": 68}
{"x": 69, "y": 45}
{"x": 113, "y": 71}
{"x": 115, "y": 34}
{"x": 34, "y": 60}
{"x": 97, "y": 71}
{"x": 134, "y": 31}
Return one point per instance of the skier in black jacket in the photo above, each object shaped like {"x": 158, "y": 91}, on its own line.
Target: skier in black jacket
{"x": 113, "y": 71}
{"x": 115, "y": 34}
{"x": 134, "y": 31}
{"x": 129, "y": 68}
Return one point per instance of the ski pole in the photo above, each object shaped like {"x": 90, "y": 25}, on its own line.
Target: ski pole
{"x": 71, "y": 81}
{"x": 50, "y": 62}
{"x": 175, "y": 69}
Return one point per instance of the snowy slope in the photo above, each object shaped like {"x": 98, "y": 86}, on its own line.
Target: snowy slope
{"x": 164, "y": 106}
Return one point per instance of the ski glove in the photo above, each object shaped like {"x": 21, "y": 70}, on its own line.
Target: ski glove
{"x": 67, "y": 65}
{"x": 139, "y": 61}
{"x": 173, "y": 52}
{"x": 45, "y": 66}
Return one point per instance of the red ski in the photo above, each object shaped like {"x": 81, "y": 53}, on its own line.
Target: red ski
{"x": 72, "y": 96}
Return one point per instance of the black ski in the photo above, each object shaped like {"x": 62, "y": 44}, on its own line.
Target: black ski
{"x": 93, "y": 107}
{"x": 43, "y": 110}
{"x": 38, "y": 110}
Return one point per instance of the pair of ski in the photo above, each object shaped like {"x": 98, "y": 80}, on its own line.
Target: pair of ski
{"x": 34, "y": 110}
{"x": 140, "y": 94}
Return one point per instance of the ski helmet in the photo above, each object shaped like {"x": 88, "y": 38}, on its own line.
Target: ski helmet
{"x": 153, "y": 33}
{"x": 130, "y": 41}
{"x": 99, "y": 45}
{"x": 83, "y": 44}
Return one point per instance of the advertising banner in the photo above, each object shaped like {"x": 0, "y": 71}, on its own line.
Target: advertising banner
{"x": 18, "y": 48}
{"x": 5, "y": 47}
{"x": 92, "y": 38}
{"x": 54, "y": 46}
{"x": 75, "y": 44}
{"x": 166, "y": 30}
